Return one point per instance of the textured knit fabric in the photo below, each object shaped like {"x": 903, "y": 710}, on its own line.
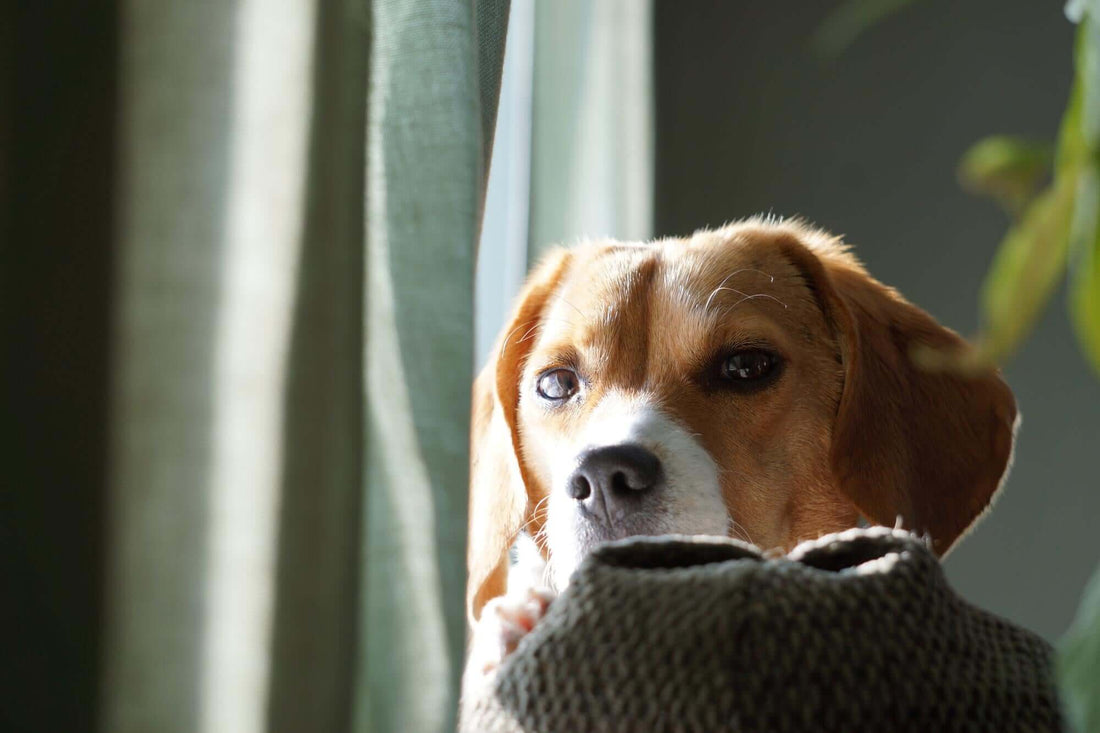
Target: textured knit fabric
{"x": 855, "y": 631}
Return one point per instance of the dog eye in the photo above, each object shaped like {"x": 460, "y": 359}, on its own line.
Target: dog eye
{"x": 557, "y": 385}
{"x": 748, "y": 365}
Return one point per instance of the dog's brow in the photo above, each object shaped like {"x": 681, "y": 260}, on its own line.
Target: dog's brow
{"x": 744, "y": 296}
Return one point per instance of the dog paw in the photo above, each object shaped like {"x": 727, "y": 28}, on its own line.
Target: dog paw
{"x": 504, "y": 622}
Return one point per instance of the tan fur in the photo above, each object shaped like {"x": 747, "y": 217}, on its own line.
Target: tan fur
{"x": 850, "y": 428}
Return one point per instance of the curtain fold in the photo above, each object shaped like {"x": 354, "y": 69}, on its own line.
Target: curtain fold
{"x": 318, "y": 561}
{"x": 425, "y": 183}
{"x": 301, "y": 186}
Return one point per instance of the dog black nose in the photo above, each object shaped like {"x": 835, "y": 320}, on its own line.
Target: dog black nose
{"x": 609, "y": 480}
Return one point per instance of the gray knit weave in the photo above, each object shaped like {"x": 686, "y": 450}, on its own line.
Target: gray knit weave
{"x": 856, "y": 631}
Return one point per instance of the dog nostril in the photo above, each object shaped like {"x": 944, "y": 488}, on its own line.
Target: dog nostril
{"x": 579, "y": 488}
{"x": 620, "y": 484}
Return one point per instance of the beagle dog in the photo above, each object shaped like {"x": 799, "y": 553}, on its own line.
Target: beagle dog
{"x": 752, "y": 381}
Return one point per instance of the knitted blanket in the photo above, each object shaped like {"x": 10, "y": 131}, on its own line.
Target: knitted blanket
{"x": 855, "y": 631}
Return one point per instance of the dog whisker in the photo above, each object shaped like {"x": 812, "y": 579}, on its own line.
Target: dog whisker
{"x": 547, "y": 575}
{"x": 739, "y": 532}
{"x": 504, "y": 343}
{"x": 530, "y": 332}
{"x": 527, "y": 334}
{"x": 721, "y": 285}
{"x": 538, "y": 514}
{"x": 561, "y": 297}
{"x": 531, "y": 521}
{"x": 755, "y": 296}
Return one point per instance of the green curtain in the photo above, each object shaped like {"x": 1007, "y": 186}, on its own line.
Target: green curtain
{"x": 286, "y": 198}
{"x": 436, "y": 73}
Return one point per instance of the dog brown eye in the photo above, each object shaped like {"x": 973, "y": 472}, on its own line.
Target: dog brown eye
{"x": 557, "y": 385}
{"x": 748, "y": 365}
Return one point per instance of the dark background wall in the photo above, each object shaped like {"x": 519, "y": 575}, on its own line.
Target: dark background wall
{"x": 749, "y": 120}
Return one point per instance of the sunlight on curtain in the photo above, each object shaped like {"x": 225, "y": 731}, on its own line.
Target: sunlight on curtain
{"x": 263, "y": 238}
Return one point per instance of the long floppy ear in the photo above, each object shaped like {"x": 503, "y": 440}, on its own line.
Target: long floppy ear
{"x": 499, "y": 505}
{"x": 929, "y": 447}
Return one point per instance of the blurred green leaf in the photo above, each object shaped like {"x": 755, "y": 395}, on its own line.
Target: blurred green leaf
{"x": 1007, "y": 169}
{"x": 1084, "y": 294}
{"x": 1078, "y": 663}
{"x": 1032, "y": 257}
{"x": 1026, "y": 269}
{"x": 844, "y": 24}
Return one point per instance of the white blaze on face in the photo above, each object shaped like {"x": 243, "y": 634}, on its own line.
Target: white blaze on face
{"x": 688, "y": 502}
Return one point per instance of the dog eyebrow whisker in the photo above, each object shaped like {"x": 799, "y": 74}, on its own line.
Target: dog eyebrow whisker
{"x": 726, "y": 279}
{"x": 754, "y": 296}
{"x": 528, "y": 334}
{"x": 748, "y": 297}
{"x": 504, "y": 344}
{"x": 561, "y": 297}
{"x": 531, "y": 331}
{"x": 535, "y": 324}
{"x": 717, "y": 290}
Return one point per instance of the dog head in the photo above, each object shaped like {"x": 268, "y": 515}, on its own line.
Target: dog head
{"x": 752, "y": 381}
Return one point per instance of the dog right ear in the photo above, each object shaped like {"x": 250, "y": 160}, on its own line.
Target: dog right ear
{"x": 928, "y": 447}
{"x": 499, "y": 499}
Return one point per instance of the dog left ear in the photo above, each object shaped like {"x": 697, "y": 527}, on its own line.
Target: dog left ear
{"x": 930, "y": 448}
{"x": 499, "y": 505}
